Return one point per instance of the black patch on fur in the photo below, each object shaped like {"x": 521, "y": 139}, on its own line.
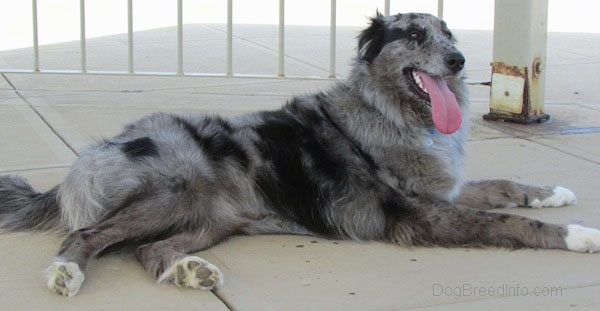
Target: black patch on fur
{"x": 224, "y": 125}
{"x": 356, "y": 148}
{"x": 502, "y": 218}
{"x": 408, "y": 221}
{"x": 189, "y": 128}
{"x": 536, "y": 224}
{"x": 396, "y": 209}
{"x": 218, "y": 145}
{"x": 412, "y": 33}
{"x": 394, "y": 34}
{"x": 140, "y": 147}
{"x": 372, "y": 39}
{"x": 302, "y": 163}
{"x": 392, "y": 211}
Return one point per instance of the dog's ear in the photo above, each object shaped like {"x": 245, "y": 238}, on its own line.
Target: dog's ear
{"x": 371, "y": 40}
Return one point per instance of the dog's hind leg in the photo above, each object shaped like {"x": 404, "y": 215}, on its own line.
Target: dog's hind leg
{"x": 488, "y": 194}
{"x": 169, "y": 260}
{"x": 428, "y": 223}
{"x": 141, "y": 220}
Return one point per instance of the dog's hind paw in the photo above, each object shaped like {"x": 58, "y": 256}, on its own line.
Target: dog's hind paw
{"x": 65, "y": 278}
{"x": 560, "y": 197}
{"x": 582, "y": 239}
{"x": 194, "y": 272}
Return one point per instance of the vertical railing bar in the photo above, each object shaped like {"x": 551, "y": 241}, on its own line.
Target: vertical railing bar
{"x": 82, "y": 39}
{"x": 229, "y": 38}
{"x": 387, "y": 8}
{"x": 440, "y": 8}
{"x": 36, "y": 48}
{"x": 130, "y": 35}
{"x": 180, "y": 37}
{"x": 332, "y": 39}
{"x": 281, "y": 38}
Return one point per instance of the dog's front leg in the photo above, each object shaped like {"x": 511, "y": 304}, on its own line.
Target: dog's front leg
{"x": 488, "y": 194}
{"x": 425, "y": 223}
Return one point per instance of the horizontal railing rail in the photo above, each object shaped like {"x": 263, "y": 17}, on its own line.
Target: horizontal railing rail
{"x": 181, "y": 70}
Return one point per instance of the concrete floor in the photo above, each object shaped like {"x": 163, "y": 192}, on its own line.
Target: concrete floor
{"x": 46, "y": 119}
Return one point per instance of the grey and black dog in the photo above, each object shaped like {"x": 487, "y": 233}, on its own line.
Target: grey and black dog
{"x": 377, "y": 157}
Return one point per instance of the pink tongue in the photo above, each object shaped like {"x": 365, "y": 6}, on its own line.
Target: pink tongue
{"x": 444, "y": 108}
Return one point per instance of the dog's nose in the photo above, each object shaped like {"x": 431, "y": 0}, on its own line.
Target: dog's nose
{"x": 455, "y": 62}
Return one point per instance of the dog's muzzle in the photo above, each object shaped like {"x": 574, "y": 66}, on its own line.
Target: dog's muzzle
{"x": 455, "y": 62}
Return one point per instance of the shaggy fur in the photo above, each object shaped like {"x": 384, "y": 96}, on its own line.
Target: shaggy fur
{"x": 377, "y": 157}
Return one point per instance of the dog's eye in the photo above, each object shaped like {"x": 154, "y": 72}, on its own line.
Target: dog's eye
{"x": 416, "y": 34}
{"x": 448, "y": 34}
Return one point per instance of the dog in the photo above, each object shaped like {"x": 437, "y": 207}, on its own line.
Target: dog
{"x": 379, "y": 156}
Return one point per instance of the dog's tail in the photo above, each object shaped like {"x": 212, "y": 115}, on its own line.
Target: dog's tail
{"x": 24, "y": 209}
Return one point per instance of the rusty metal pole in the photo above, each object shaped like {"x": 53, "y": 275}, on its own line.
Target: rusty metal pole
{"x": 519, "y": 61}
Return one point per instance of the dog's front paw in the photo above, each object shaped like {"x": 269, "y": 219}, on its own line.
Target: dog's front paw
{"x": 582, "y": 239}
{"x": 194, "y": 272}
{"x": 560, "y": 197}
{"x": 65, "y": 278}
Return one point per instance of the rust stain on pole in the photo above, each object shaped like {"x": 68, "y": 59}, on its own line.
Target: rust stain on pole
{"x": 503, "y": 68}
{"x": 537, "y": 68}
{"x": 513, "y": 103}
{"x": 519, "y": 55}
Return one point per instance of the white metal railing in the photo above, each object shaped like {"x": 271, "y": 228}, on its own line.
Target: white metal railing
{"x": 180, "y": 50}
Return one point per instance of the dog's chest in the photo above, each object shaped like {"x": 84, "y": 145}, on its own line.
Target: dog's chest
{"x": 448, "y": 152}
{"x": 430, "y": 164}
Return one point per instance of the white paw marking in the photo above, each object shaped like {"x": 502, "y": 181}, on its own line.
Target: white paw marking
{"x": 560, "y": 197}
{"x": 194, "y": 272}
{"x": 536, "y": 203}
{"x": 582, "y": 239}
{"x": 65, "y": 278}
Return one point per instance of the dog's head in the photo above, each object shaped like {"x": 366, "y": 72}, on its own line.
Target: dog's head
{"x": 413, "y": 56}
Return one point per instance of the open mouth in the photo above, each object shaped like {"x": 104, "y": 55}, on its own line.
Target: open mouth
{"x": 445, "y": 110}
{"x": 416, "y": 84}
